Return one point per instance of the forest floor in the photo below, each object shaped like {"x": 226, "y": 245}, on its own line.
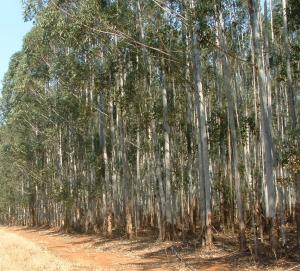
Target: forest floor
{"x": 37, "y": 249}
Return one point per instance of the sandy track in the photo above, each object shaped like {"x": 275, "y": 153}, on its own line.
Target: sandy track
{"x": 19, "y": 254}
{"x": 24, "y": 249}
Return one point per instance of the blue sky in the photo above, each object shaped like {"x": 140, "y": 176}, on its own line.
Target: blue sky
{"x": 12, "y": 30}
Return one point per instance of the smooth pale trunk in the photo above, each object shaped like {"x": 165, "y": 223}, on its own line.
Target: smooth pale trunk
{"x": 167, "y": 162}
{"x": 233, "y": 135}
{"x": 103, "y": 149}
{"x": 292, "y": 109}
{"x": 270, "y": 195}
{"x": 204, "y": 178}
{"x": 160, "y": 188}
{"x": 137, "y": 185}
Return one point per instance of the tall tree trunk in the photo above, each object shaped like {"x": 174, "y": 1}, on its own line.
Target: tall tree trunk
{"x": 290, "y": 90}
{"x": 167, "y": 162}
{"x": 270, "y": 196}
{"x": 204, "y": 177}
{"x": 292, "y": 108}
{"x": 233, "y": 134}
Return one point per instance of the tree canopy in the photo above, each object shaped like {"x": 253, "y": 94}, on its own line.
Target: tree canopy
{"x": 178, "y": 116}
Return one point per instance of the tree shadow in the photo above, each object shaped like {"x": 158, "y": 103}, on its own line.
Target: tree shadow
{"x": 155, "y": 254}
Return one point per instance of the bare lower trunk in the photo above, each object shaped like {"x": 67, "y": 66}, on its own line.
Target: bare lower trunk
{"x": 204, "y": 178}
{"x": 169, "y": 205}
{"x": 270, "y": 196}
{"x": 233, "y": 134}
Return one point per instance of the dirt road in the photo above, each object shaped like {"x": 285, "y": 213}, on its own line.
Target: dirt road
{"x": 23, "y": 249}
{"x": 45, "y": 250}
{"x": 19, "y": 254}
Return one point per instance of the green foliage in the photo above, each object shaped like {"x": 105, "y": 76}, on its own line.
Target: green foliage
{"x": 86, "y": 78}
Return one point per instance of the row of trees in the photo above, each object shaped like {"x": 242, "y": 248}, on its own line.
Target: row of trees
{"x": 178, "y": 116}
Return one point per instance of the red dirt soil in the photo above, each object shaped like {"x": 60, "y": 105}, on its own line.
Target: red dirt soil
{"x": 83, "y": 250}
{"x": 92, "y": 252}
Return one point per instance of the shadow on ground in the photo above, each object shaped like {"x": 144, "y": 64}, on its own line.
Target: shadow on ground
{"x": 149, "y": 254}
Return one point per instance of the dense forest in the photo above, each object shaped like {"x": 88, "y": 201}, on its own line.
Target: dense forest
{"x": 178, "y": 117}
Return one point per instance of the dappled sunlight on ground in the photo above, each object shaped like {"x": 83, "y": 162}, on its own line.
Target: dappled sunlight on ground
{"x": 46, "y": 249}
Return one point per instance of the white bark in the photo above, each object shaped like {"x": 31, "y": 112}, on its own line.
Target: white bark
{"x": 204, "y": 178}
{"x": 270, "y": 193}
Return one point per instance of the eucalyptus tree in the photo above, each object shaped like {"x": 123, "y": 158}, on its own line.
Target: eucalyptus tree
{"x": 121, "y": 116}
